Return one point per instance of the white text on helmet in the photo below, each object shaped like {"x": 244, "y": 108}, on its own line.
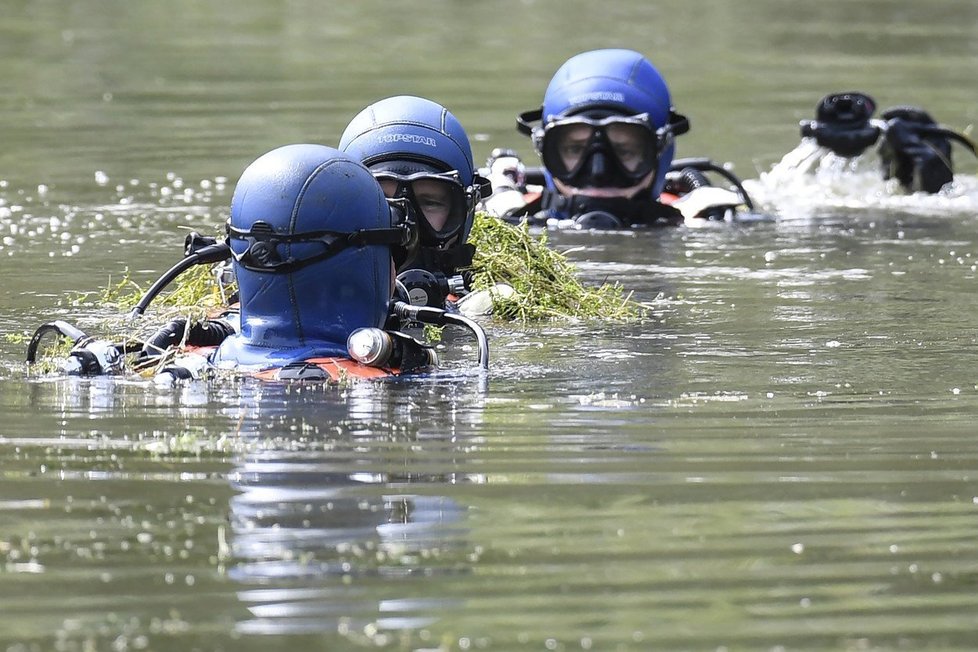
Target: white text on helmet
{"x": 598, "y": 96}
{"x": 408, "y": 138}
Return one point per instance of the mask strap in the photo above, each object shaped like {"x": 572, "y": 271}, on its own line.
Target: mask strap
{"x": 483, "y": 185}
{"x": 678, "y": 124}
{"x": 535, "y": 132}
{"x": 262, "y": 254}
{"x": 524, "y": 119}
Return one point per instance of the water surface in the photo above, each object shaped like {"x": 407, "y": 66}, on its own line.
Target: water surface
{"x": 782, "y": 457}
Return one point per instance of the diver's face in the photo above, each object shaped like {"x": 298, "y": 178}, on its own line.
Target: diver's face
{"x": 433, "y": 197}
{"x": 629, "y": 145}
{"x": 435, "y": 201}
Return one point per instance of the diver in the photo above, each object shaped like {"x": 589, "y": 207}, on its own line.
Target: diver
{"x": 912, "y": 147}
{"x": 314, "y": 244}
{"x": 419, "y": 152}
{"x": 606, "y": 135}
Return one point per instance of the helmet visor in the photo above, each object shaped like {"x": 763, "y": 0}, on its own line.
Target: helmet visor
{"x": 439, "y": 198}
{"x": 628, "y": 145}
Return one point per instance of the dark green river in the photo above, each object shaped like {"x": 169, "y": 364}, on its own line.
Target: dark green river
{"x": 784, "y": 457}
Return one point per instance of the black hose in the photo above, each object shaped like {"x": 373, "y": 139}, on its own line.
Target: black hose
{"x": 61, "y": 328}
{"x": 692, "y": 178}
{"x": 81, "y": 344}
{"x": 707, "y": 165}
{"x": 952, "y": 135}
{"x": 536, "y": 175}
{"x": 439, "y": 317}
{"x": 202, "y": 333}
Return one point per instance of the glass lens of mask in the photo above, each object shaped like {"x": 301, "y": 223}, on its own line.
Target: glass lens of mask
{"x": 629, "y": 143}
{"x": 438, "y": 198}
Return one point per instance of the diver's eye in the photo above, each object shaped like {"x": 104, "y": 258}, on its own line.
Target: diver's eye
{"x": 433, "y": 204}
{"x": 573, "y": 149}
{"x": 572, "y": 142}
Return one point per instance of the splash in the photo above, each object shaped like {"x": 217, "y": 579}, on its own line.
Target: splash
{"x": 810, "y": 180}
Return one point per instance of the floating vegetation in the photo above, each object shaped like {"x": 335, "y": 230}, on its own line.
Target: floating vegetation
{"x": 193, "y": 442}
{"x": 198, "y": 289}
{"x": 15, "y": 338}
{"x": 195, "y": 294}
{"x": 546, "y": 284}
{"x": 122, "y": 294}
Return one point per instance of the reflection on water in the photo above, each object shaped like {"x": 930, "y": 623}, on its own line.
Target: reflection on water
{"x": 334, "y": 527}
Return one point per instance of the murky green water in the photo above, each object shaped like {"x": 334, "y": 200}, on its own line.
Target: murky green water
{"x": 784, "y": 459}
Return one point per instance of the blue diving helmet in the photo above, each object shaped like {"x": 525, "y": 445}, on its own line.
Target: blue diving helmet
{"x": 312, "y": 238}
{"x": 606, "y": 122}
{"x": 418, "y": 150}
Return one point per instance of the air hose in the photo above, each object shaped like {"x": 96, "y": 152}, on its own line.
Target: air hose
{"x": 439, "y": 317}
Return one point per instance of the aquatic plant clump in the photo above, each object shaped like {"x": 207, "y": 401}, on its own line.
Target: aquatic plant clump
{"x": 198, "y": 287}
{"x": 196, "y": 293}
{"x": 546, "y": 283}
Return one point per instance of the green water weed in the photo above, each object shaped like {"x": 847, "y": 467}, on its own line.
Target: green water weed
{"x": 546, "y": 282}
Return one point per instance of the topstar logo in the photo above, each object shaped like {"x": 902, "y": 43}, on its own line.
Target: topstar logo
{"x": 598, "y": 96}
{"x": 408, "y": 138}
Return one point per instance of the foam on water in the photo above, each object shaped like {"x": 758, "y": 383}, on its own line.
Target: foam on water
{"x": 810, "y": 179}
